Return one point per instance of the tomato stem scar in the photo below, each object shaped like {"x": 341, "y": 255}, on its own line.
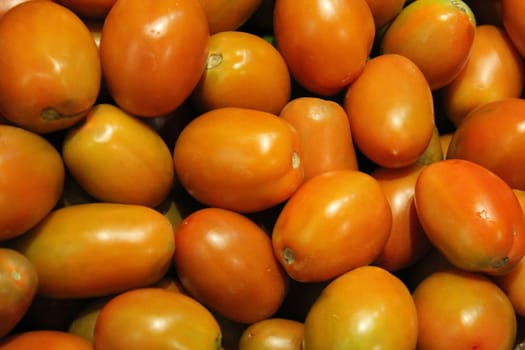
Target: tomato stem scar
{"x": 296, "y": 160}
{"x": 213, "y": 60}
{"x": 288, "y": 256}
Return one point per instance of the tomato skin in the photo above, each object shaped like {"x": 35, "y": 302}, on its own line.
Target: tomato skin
{"x": 226, "y": 261}
{"x": 62, "y": 89}
{"x": 273, "y": 333}
{"x": 151, "y": 37}
{"x": 45, "y": 340}
{"x": 512, "y": 19}
{"x": 385, "y": 11}
{"x": 91, "y": 9}
{"x": 365, "y": 308}
{"x": 134, "y": 246}
{"x": 350, "y": 208}
{"x": 484, "y": 226}
{"x": 225, "y": 15}
{"x": 325, "y": 42}
{"x": 6, "y": 5}
{"x": 239, "y": 159}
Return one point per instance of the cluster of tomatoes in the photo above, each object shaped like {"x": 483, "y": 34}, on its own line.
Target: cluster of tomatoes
{"x": 281, "y": 174}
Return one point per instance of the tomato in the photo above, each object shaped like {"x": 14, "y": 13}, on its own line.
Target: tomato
{"x": 50, "y": 67}
{"x": 92, "y": 9}
{"x": 494, "y": 71}
{"x": 437, "y": 35}
{"x": 385, "y": 11}
{"x": 107, "y": 154}
{"x": 45, "y": 340}
{"x": 18, "y": 285}
{"x": 273, "y": 333}
{"x": 471, "y": 216}
{"x": 107, "y": 247}
{"x": 365, "y": 308}
{"x": 513, "y": 22}
{"x": 396, "y": 130}
{"x": 226, "y": 261}
{"x": 237, "y": 71}
{"x": 153, "y": 38}
{"x": 475, "y": 314}
{"x": 324, "y": 132}
{"x": 239, "y": 159}
{"x": 226, "y": 15}
{"x": 335, "y": 222}
{"x": 157, "y": 319}
{"x": 6, "y": 5}
{"x": 32, "y": 179}
{"x": 325, "y": 42}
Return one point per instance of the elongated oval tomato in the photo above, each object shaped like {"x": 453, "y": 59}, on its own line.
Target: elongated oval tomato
{"x": 116, "y": 157}
{"x": 325, "y": 42}
{"x": 45, "y": 340}
{"x": 153, "y": 53}
{"x": 239, "y": 159}
{"x": 108, "y": 248}
{"x": 50, "y": 67}
{"x": 335, "y": 222}
{"x": 471, "y": 216}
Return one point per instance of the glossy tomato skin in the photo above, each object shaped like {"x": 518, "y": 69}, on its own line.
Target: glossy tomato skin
{"x": 6, "y": 5}
{"x": 385, "y": 11}
{"x": 325, "y": 42}
{"x": 226, "y": 261}
{"x": 396, "y": 130}
{"x": 492, "y": 136}
{"x": 484, "y": 226}
{"x": 512, "y": 19}
{"x": 437, "y": 35}
{"x": 475, "y": 314}
{"x": 23, "y": 155}
{"x": 273, "y": 333}
{"x": 153, "y": 38}
{"x": 335, "y": 222}
{"x": 157, "y": 319}
{"x": 106, "y": 154}
{"x": 239, "y": 159}
{"x": 45, "y": 340}
{"x": 365, "y": 308}
{"x": 225, "y": 15}
{"x": 91, "y": 9}
{"x": 115, "y": 247}
{"x": 494, "y": 71}
{"x": 49, "y": 54}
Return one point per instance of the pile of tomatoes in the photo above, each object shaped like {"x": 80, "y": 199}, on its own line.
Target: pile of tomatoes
{"x": 262, "y": 174}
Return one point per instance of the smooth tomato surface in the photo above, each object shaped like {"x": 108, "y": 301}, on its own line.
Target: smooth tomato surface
{"x": 385, "y": 11}
{"x": 225, "y": 15}
{"x": 273, "y": 333}
{"x": 92, "y": 9}
{"x": 514, "y": 23}
{"x": 45, "y": 340}
{"x": 6, "y": 5}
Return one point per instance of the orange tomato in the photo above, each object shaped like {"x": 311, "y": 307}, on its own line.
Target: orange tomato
{"x": 325, "y": 42}
{"x": 395, "y": 130}
{"x": 6, "y": 5}
{"x": 45, "y": 340}
{"x": 239, "y": 159}
{"x": 513, "y": 22}
{"x": 32, "y": 179}
{"x": 385, "y": 11}
{"x": 108, "y": 248}
{"x": 471, "y": 216}
{"x": 273, "y": 333}
{"x": 50, "y": 67}
{"x": 335, "y": 222}
{"x": 92, "y": 9}
{"x": 365, "y": 308}
{"x": 512, "y": 283}
{"x": 324, "y": 132}
{"x": 237, "y": 71}
{"x": 437, "y": 35}
{"x": 225, "y": 15}
{"x": 475, "y": 314}
{"x": 150, "y": 61}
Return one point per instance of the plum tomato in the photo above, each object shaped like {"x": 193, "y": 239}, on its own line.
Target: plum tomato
{"x": 45, "y": 340}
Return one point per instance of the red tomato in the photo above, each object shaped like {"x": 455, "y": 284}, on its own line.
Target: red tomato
{"x": 273, "y": 333}
{"x": 92, "y": 9}
{"x": 471, "y": 216}
{"x": 240, "y": 159}
{"x": 153, "y": 53}
{"x": 50, "y": 67}
{"x": 396, "y": 129}
{"x": 108, "y": 248}
{"x": 437, "y": 35}
{"x": 45, "y": 340}
{"x": 514, "y": 23}
{"x": 325, "y": 42}
{"x": 463, "y": 310}
{"x": 226, "y": 261}
{"x": 329, "y": 216}
{"x": 224, "y": 15}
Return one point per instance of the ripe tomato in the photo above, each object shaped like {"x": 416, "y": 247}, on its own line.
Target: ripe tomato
{"x": 225, "y": 15}
{"x": 325, "y": 42}
{"x": 107, "y": 153}
{"x": 237, "y": 71}
{"x": 153, "y": 53}
{"x": 335, "y": 222}
{"x": 31, "y": 182}
{"x": 512, "y": 19}
{"x": 324, "y": 132}
{"x": 226, "y": 261}
{"x": 463, "y": 310}
{"x": 50, "y": 67}
{"x": 6, "y": 5}
{"x": 157, "y": 319}
{"x": 18, "y": 285}
{"x": 437, "y": 35}
{"x": 396, "y": 129}
{"x": 273, "y": 333}
{"x": 107, "y": 248}
{"x": 385, "y": 11}
{"x": 91, "y": 9}
{"x": 512, "y": 283}
{"x": 45, "y": 340}
{"x": 484, "y": 225}
{"x": 494, "y": 71}
{"x": 365, "y": 308}
{"x": 238, "y": 158}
